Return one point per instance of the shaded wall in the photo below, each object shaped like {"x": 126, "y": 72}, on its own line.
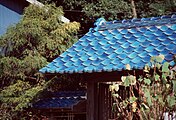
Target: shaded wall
{"x": 10, "y": 13}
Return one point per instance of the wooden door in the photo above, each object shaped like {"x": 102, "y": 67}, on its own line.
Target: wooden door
{"x": 105, "y": 103}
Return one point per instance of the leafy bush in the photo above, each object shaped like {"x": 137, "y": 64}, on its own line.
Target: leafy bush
{"x": 156, "y": 92}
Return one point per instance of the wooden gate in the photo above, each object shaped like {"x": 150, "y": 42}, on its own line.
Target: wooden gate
{"x": 105, "y": 101}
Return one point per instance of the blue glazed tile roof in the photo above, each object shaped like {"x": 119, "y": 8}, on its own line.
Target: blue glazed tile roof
{"x": 111, "y": 45}
{"x": 63, "y": 99}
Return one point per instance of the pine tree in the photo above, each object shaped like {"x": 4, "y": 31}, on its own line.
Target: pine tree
{"x": 37, "y": 39}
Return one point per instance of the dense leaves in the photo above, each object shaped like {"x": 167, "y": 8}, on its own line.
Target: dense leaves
{"x": 120, "y": 9}
{"x": 111, "y": 9}
{"x": 87, "y": 11}
{"x": 37, "y": 39}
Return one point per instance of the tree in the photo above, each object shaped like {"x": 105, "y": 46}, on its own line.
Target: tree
{"x": 37, "y": 39}
{"x": 120, "y": 9}
{"x": 110, "y": 9}
{"x": 86, "y": 12}
{"x": 155, "y": 8}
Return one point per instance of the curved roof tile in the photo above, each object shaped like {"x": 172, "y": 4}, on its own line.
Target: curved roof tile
{"x": 111, "y": 45}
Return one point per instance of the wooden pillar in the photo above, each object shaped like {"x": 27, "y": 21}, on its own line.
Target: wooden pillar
{"x": 92, "y": 101}
{"x": 51, "y": 116}
{"x": 104, "y": 102}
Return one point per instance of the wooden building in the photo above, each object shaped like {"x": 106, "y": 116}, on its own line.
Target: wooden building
{"x": 101, "y": 55}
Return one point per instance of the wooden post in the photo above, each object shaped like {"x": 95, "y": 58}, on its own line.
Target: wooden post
{"x": 51, "y": 116}
{"x": 92, "y": 101}
{"x": 102, "y": 111}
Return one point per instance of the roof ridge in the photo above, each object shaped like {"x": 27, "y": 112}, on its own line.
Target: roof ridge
{"x": 101, "y": 23}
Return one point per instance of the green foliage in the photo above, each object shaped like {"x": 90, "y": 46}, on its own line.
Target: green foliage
{"x": 15, "y": 68}
{"x": 126, "y": 82}
{"x": 118, "y": 9}
{"x": 147, "y": 81}
{"x": 19, "y": 96}
{"x": 155, "y": 92}
{"x": 108, "y": 9}
{"x": 40, "y": 30}
{"x": 28, "y": 46}
{"x": 171, "y": 100}
{"x": 132, "y": 99}
{"x": 165, "y": 67}
{"x": 87, "y": 11}
{"x": 37, "y": 39}
{"x": 148, "y": 96}
{"x": 74, "y": 4}
{"x": 162, "y": 7}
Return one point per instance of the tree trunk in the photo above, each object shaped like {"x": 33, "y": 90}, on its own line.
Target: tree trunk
{"x": 133, "y": 9}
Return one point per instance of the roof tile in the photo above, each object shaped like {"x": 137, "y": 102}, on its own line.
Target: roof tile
{"x": 111, "y": 45}
{"x": 62, "y": 99}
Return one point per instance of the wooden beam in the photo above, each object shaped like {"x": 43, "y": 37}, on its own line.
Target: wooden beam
{"x": 92, "y": 99}
{"x": 109, "y": 76}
